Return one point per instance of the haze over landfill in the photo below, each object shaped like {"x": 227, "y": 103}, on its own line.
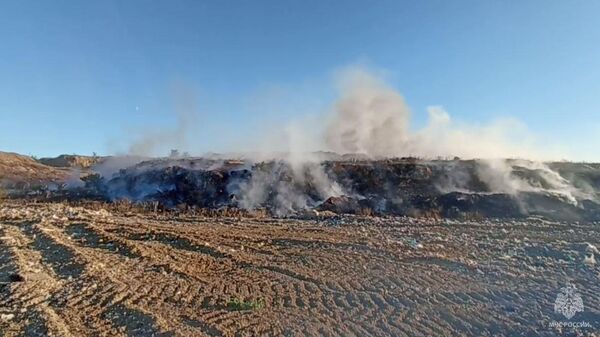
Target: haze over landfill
{"x": 274, "y": 168}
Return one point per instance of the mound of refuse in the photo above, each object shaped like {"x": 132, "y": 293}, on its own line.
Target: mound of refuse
{"x": 403, "y": 186}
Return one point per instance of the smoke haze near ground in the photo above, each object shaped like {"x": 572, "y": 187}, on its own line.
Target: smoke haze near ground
{"x": 370, "y": 119}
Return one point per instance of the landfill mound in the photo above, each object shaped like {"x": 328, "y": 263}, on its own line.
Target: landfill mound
{"x": 353, "y": 185}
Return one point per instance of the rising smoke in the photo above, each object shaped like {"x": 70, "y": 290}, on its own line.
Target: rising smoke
{"x": 371, "y": 119}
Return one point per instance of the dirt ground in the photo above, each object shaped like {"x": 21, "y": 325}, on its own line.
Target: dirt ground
{"x": 77, "y": 271}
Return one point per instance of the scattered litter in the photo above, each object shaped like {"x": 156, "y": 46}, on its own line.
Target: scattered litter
{"x": 592, "y": 249}
{"x": 6, "y": 317}
{"x": 589, "y": 260}
{"x": 414, "y": 244}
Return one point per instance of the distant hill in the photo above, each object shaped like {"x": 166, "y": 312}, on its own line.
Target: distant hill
{"x": 71, "y": 161}
{"x": 16, "y": 169}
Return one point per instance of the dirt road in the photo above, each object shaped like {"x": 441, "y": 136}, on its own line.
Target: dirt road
{"x": 73, "y": 271}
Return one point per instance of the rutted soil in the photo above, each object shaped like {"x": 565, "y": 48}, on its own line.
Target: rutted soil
{"x": 75, "y": 271}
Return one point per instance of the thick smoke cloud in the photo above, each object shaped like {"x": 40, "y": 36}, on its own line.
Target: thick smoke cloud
{"x": 369, "y": 118}
{"x": 372, "y": 118}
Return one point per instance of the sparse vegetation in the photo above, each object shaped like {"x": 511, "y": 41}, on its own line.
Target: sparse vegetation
{"x": 241, "y": 305}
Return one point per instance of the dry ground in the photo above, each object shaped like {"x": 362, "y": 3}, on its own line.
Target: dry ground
{"x": 18, "y": 169}
{"x": 72, "y": 271}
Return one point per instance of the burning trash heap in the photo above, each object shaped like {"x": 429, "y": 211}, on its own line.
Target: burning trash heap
{"x": 353, "y": 185}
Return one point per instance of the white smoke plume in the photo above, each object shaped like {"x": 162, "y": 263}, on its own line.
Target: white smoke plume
{"x": 295, "y": 182}
{"x": 372, "y": 118}
{"x": 369, "y": 118}
{"x": 510, "y": 177}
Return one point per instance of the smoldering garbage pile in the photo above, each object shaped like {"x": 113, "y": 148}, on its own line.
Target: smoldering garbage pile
{"x": 367, "y": 126}
{"x": 406, "y": 186}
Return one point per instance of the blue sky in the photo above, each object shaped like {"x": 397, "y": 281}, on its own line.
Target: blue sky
{"x": 88, "y": 76}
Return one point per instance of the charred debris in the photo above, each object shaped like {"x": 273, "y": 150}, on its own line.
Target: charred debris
{"x": 402, "y": 187}
{"x": 337, "y": 185}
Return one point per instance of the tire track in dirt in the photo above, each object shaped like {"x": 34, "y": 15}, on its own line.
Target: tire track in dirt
{"x": 176, "y": 277}
{"x": 28, "y": 299}
{"x": 89, "y": 238}
{"x": 8, "y": 276}
{"x": 152, "y": 295}
{"x": 111, "y": 299}
{"x": 300, "y": 291}
{"x": 57, "y": 256}
{"x": 60, "y": 258}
